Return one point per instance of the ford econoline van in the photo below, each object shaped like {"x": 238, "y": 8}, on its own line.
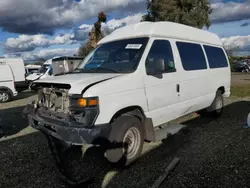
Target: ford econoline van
{"x": 143, "y": 76}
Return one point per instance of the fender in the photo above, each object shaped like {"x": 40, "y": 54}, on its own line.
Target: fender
{"x": 90, "y": 85}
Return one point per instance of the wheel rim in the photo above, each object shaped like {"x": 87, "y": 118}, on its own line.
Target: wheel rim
{"x": 4, "y": 97}
{"x": 218, "y": 104}
{"x": 131, "y": 142}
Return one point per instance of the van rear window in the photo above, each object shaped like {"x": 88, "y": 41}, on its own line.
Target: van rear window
{"x": 216, "y": 57}
{"x": 192, "y": 56}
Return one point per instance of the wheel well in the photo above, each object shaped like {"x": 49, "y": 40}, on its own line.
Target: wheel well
{"x": 131, "y": 110}
{"x": 146, "y": 122}
{"x": 6, "y": 89}
{"x": 222, "y": 89}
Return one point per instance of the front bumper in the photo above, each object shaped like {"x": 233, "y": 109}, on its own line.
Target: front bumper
{"x": 71, "y": 133}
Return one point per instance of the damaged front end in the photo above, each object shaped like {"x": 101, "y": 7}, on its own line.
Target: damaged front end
{"x": 58, "y": 114}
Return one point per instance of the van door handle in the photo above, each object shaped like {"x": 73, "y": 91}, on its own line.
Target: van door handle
{"x": 178, "y": 88}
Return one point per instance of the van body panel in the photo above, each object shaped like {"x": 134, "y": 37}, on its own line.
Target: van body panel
{"x": 17, "y": 66}
{"x": 7, "y": 79}
{"x": 118, "y": 93}
{"x": 18, "y": 70}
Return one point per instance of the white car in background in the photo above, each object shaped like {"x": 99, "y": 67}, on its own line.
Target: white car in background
{"x": 7, "y": 84}
{"x": 18, "y": 71}
{"x": 30, "y": 69}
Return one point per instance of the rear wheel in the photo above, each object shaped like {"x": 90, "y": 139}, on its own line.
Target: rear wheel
{"x": 126, "y": 140}
{"x": 4, "y": 96}
{"x": 216, "y": 108}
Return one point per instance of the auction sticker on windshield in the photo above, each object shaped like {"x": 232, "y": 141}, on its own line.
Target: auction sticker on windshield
{"x": 134, "y": 46}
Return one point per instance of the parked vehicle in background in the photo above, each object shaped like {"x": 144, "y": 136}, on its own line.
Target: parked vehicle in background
{"x": 143, "y": 76}
{"x": 30, "y": 69}
{"x": 54, "y": 66}
{"x": 7, "y": 83}
{"x": 41, "y": 73}
{"x": 241, "y": 66}
{"x": 18, "y": 70}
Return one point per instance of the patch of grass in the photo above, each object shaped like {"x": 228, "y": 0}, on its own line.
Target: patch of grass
{"x": 240, "y": 90}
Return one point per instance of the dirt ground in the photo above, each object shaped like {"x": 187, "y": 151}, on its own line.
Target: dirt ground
{"x": 240, "y": 79}
{"x": 212, "y": 152}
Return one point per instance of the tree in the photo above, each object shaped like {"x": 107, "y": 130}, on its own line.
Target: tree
{"x": 95, "y": 36}
{"x": 230, "y": 49}
{"x": 189, "y": 12}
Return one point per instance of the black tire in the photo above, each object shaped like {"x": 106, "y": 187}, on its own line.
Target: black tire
{"x": 213, "y": 110}
{"x": 4, "y": 96}
{"x": 122, "y": 153}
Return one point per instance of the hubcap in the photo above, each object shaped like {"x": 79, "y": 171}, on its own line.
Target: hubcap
{"x": 4, "y": 97}
{"x": 131, "y": 142}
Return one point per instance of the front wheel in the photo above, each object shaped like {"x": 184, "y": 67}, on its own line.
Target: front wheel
{"x": 126, "y": 140}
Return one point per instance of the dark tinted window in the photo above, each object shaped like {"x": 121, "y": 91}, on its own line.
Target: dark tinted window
{"x": 161, "y": 49}
{"x": 192, "y": 56}
{"x": 216, "y": 57}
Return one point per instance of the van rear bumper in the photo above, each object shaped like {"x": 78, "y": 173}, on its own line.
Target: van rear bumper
{"x": 227, "y": 93}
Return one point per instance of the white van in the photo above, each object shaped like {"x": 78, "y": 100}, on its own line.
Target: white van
{"x": 138, "y": 78}
{"x": 18, "y": 70}
{"x": 30, "y": 69}
{"x": 7, "y": 84}
{"x": 43, "y": 72}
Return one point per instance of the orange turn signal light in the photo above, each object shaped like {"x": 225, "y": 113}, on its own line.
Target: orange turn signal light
{"x": 93, "y": 102}
{"x": 82, "y": 102}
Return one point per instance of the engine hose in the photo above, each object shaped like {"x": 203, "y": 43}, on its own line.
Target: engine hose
{"x": 61, "y": 169}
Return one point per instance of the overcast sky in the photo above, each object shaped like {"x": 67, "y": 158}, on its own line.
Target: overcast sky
{"x": 41, "y": 29}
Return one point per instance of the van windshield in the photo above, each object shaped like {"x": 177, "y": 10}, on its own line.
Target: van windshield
{"x": 43, "y": 69}
{"x": 121, "y": 56}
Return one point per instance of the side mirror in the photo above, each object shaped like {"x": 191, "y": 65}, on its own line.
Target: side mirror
{"x": 156, "y": 67}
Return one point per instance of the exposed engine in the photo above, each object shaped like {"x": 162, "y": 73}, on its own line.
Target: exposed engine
{"x": 55, "y": 103}
{"x": 54, "y": 99}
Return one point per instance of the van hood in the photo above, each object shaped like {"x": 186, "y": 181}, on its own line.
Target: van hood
{"x": 78, "y": 82}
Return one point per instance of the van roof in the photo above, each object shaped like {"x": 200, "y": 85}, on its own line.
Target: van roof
{"x": 163, "y": 29}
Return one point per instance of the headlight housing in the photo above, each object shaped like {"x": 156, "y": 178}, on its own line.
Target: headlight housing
{"x": 84, "y": 110}
{"x": 84, "y": 102}
{"x": 87, "y": 102}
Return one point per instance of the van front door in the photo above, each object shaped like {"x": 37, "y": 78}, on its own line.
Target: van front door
{"x": 162, "y": 88}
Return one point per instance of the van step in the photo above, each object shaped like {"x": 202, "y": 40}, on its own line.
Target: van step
{"x": 163, "y": 132}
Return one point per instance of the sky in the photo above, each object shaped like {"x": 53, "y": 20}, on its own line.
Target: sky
{"x": 37, "y": 30}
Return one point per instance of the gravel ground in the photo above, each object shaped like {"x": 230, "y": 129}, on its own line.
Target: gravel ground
{"x": 213, "y": 153}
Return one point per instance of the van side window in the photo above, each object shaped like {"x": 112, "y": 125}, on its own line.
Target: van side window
{"x": 160, "y": 49}
{"x": 192, "y": 56}
{"x": 216, "y": 57}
